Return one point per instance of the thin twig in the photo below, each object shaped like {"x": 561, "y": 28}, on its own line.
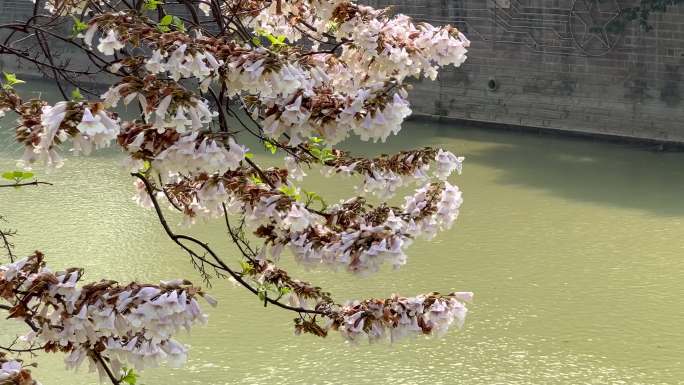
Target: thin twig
{"x": 34, "y": 183}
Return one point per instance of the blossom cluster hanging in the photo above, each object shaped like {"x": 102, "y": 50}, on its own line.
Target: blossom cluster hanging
{"x": 375, "y": 320}
{"x": 131, "y": 325}
{"x": 13, "y": 372}
{"x": 42, "y": 128}
{"x": 299, "y": 76}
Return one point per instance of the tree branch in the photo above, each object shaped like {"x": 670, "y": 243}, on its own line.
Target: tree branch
{"x": 219, "y": 263}
{"x": 34, "y": 183}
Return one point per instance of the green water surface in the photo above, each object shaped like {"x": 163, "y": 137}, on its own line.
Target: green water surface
{"x": 573, "y": 248}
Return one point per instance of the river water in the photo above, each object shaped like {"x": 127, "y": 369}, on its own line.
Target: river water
{"x": 573, "y": 248}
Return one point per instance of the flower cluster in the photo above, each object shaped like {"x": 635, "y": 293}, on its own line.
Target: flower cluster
{"x": 42, "y": 127}
{"x": 165, "y": 104}
{"x": 191, "y": 154}
{"x": 75, "y": 121}
{"x": 372, "y": 42}
{"x": 129, "y": 325}
{"x": 398, "y": 317}
{"x": 396, "y": 46}
{"x": 298, "y": 293}
{"x": 171, "y": 153}
{"x": 346, "y": 76}
{"x": 290, "y": 90}
{"x": 360, "y": 238}
{"x": 373, "y": 319}
{"x": 383, "y": 175}
{"x": 66, "y": 7}
{"x": 352, "y": 235}
{"x": 12, "y": 372}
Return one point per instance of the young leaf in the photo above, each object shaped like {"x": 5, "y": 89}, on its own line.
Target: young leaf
{"x": 166, "y": 20}
{"x": 164, "y": 23}
{"x": 130, "y": 378}
{"x": 315, "y": 140}
{"x": 152, "y": 5}
{"x": 313, "y": 197}
{"x": 270, "y": 147}
{"x": 178, "y": 23}
{"x": 78, "y": 27}
{"x": 246, "y": 267}
{"x": 11, "y": 80}
{"x": 326, "y": 155}
{"x": 8, "y": 176}
{"x": 290, "y": 191}
{"x": 256, "y": 180}
{"x": 76, "y": 95}
{"x": 284, "y": 290}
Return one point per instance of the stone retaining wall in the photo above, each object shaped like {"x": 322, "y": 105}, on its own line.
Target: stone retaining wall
{"x": 557, "y": 64}
{"x": 553, "y": 64}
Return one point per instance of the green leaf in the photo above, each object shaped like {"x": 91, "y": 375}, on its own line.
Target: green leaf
{"x": 313, "y": 197}
{"x": 332, "y": 26}
{"x": 270, "y": 147}
{"x": 246, "y": 267}
{"x": 290, "y": 191}
{"x": 275, "y": 41}
{"x": 78, "y": 27}
{"x": 17, "y": 176}
{"x": 315, "y": 140}
{"x": 284, "y": 290}
{"x": 131, "y": 378}
{"x": 262, "y": 295}
{"x": 166, "y": 20}
{"x": 178, "y": 23}
{"x": 76, "y": 95}
{"x": 270, "y": 38}
{"x": 152, "y": 5}
{"x": 11, "y": 80}
{"x": 326, "y": 155}
{"x": 256, "y": 41}
{"x": 249, "y": 155}
{"x": 255, "y": 179}
{"x": 323, "y": 154}
{"x": 169, "y": 20}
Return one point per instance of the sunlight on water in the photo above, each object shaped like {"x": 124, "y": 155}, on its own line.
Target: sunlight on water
{"x": 573, "y": 249}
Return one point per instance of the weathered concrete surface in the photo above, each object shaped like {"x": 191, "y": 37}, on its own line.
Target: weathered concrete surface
{"x": 558, "y": 65}
{"x": 554, "y": 64}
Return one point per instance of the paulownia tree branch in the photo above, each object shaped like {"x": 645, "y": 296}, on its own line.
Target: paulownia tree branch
{"x": 298, "y": 75}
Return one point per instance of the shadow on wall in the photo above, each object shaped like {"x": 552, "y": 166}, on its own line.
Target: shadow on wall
{"x": 613, "y": 174}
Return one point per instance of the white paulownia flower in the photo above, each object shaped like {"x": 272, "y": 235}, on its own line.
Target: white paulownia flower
{"x": 110, "y": 43}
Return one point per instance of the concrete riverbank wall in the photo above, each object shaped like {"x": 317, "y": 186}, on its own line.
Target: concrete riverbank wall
{"x": 565, "y": 65}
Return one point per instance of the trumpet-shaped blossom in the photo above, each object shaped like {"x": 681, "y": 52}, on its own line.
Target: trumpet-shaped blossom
{"x": 110, "y": 43}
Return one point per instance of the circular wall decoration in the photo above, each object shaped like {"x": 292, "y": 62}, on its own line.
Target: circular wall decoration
{"x": 596, "y": 25}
